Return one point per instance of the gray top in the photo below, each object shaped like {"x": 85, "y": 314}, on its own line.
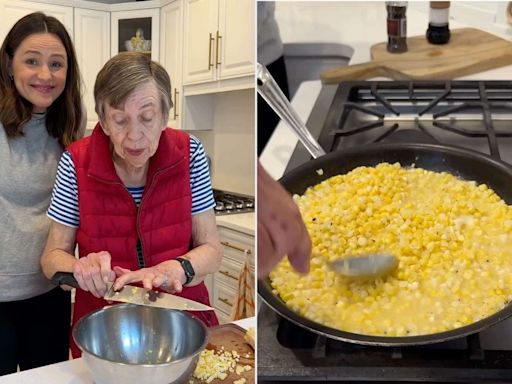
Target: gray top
{"x": 270, "y": 46}
{"x": 28, "y": 166}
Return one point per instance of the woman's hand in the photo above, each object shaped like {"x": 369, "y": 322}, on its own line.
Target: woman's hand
{"x": 93, "y": 272}
{"x": 281, "y": 230}
{"x": 168, "y": 276}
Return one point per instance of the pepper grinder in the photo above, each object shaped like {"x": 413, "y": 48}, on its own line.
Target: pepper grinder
{"x": 438, "y": 31}
{"x": 397, "y": 26}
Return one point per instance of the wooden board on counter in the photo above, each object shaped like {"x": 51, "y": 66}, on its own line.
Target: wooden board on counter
{"x": 231, "y": 337}
{"x": 469, "y": 51}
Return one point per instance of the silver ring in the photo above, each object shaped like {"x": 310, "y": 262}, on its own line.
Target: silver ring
{"x": 165, "y": 284}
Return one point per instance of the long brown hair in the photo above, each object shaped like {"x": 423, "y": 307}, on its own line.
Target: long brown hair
{"x": 64, "y": 117}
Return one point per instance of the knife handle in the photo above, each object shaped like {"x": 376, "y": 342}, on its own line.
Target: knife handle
{"x": 67, "y": 278}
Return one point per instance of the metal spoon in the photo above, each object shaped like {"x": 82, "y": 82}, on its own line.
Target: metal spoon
{"x": 368, "y": 266}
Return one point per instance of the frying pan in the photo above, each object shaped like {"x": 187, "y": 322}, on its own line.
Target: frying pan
{"x": 439, "y": 158}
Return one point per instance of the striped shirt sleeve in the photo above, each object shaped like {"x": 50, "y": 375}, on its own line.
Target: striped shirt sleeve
{"x": 200, "y": 183}
{"x": 64, "y": 203}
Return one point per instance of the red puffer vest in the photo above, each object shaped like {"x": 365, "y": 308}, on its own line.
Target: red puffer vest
{"x": 110, "y": 220}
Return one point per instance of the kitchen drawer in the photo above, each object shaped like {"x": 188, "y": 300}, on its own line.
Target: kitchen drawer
{"x": 224, "y": 298}
{"x": 236, "y": 243}
{"x": 229, "y": 272}
{"x": 223, "y": 317}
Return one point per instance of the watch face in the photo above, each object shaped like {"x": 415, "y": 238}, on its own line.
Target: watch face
{"x": 187, "y": 267}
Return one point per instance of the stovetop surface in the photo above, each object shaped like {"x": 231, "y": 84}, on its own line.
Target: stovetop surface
{"x": 474, "y": 115}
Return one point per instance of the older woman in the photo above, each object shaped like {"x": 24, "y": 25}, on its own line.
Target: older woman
{"x": 135, "y": 196}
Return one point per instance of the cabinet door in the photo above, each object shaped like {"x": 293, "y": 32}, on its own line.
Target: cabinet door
{"x": 236, "y": 46}
{"x": 171, "y": 54}
{"x": 137, "y": 29}
{"x": 200, "y": 24}
{"x": 92, "y": 45}
{"x": 12, "y": 11}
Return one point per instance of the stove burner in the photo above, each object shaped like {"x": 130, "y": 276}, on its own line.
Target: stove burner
{"x": 219, "y": 206}
{"x": 408, "y": 136}
{"x": 229, "y": 205}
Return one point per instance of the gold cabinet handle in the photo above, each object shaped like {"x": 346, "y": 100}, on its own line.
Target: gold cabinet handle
{"x": 217, "y": 62}
{"x": 226, "y": 301}
{"x": 210, "y": 64}
{"x": 226, "y": 244}
{"x": 176, "y": 93}
{"x": 226, "y": 273}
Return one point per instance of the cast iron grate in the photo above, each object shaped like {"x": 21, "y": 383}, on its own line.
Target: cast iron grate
{"x": 388, "y": 107}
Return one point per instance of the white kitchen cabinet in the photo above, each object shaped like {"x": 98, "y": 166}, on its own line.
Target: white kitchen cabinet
{"x": 124, "y": 25}
{"x": 237, "y": 26}
{"x": 12, "y": 11}
{"x": 218, "y": 41}
{"x": 224, "y": 286}
{"x": 200, "y": 24}
{"x": 171, "y": 50}
{"x": 92, "y": 46}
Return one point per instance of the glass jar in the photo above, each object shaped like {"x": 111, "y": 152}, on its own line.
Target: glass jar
{"x": 397, "y": 26}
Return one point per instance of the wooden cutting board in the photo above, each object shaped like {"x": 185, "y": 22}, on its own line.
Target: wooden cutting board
{"x": 231, "y": 337}
{"x": 468, "y": 51}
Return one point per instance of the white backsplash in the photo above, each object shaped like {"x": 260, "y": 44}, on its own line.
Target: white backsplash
{"x": 231, "y": 142}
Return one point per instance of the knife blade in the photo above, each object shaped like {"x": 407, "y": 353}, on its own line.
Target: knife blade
{"x": 137, "y": 295}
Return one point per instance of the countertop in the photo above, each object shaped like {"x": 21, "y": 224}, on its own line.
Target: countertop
{"x": 243, "y": 222}
{"x": 72, "y": 371}
{"x": 356, "y": 25}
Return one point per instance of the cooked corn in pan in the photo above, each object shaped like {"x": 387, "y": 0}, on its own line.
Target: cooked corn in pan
{"x": 452, "y": 237}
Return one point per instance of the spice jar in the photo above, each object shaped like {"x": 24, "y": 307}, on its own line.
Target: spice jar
{"x": 438, "y": 31}
{"x": 397, "y": 26}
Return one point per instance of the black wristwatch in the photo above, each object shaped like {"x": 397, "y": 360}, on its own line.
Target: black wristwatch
{"x": 187, "y": 267}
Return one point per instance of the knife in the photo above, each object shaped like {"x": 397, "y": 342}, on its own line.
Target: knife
{"x": 137, "y": 295}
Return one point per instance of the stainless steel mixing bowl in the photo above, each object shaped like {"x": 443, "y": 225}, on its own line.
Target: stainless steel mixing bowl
{"x": 137, "y": 344}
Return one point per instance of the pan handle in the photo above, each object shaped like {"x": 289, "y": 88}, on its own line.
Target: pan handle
{"x": 270, "y": 91}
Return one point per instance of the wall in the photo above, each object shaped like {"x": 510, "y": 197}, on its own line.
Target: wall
{"x": 231, "y": 142}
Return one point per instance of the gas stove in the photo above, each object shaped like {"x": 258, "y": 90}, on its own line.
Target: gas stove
{"x": 471, "y": 114}
{"x": 228, "y": 203}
